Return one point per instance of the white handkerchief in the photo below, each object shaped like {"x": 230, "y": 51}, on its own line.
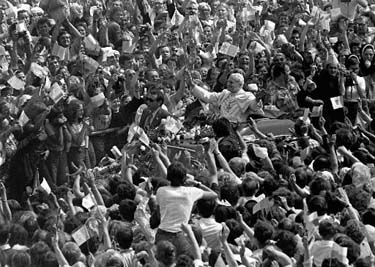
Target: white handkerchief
{"x": 337, "y": 102}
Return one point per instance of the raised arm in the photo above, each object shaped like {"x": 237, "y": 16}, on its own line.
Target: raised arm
{"x": 201, "y": 93}
{"x": 4, "y": 203}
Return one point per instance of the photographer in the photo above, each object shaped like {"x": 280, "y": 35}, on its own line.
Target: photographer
{"x": 354, "y": 86}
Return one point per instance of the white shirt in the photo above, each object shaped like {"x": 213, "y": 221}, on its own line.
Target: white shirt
{"x": 211, "y": 231}
{"x": 353, "y": 93}
{"x": 324, "y": 249}
{"x": 233, "y": 106}
{"x": 175, "y": 205}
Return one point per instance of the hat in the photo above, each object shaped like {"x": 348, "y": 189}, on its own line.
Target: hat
{"x": 36, "y": 10}
{"x": 332, "y": 59}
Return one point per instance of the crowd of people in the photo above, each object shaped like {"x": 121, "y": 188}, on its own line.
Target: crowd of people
{"x": 133, "y": 133}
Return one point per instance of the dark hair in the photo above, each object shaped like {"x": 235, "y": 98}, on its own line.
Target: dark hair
{"x": 332, "y": 262}
{"x": 4, "y": 233}
{"x": 345, "y": 137}
{"x": 71, "y": 252}
{"x": 318, "y": 185}
{"x": 18, "y": 235}
{"x": 301, "y": 177}
{"x": 321, "y": 163}
{"x": 126, "y": 191}
{"x": 359, "y": 198}
{"x": 159, "y": 95}
{"x": 37, "y": 252}
{"x": 269, "y": 186}
{"x": 368, "y": 217}
{"x": 249, "y": 187}
{"x": 278, "y": 69}
{"x": 114, "y": 262}
{"x": 286, "y": 224}
{"x": 43, "y": 20}
{"x": 354, "y": 250}
{"x": 230, "y": 193}
{"x": 165, "y": 252}
{"x": 355, "y": 231}
{"x": 124, "y": 237}
{"x": 366, "y": 262}
{"x": 221, "y": 127}
{"x": 176, "y": 174}
{"x": 287, "y": 242}
{"x": 184, "y": 261}
{"x": 318, "y": 204}
{"x": 72, "y": 109}
{"x": 49, "y": 260}
{"x": 263, "y": 231}
{"x": 127, "y": 209}
{"x": 223, "y": 213}
{"x": 206, "y": 207}
{"x": 327, "y": 229}
{"x": 20, "y": 259}
{"x": 235, "y": 230}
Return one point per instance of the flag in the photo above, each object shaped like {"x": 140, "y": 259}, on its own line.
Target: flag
{"x": 92, "y": 45}
{"x": 45, "y": 186}
{"x": 38, "y": 70}
{"x": 228, "y": 49}
{"x": 23, "y": 119}
{"x": 337, "y": 102}
{"x": 127, "y": 47}
{"x": 220, "y": 262}
{"x": 264, "y": 204}
{"x": 260, "y": 152}
{"x": 90, "y": 65}
{"x": 58, "y": 51}
{"x": 269, "y": 25}
{"x": 88, "y": 201}
{"x": 56, "y": 93}
{"x": 172, "y": 125}
{"x": 81, "y": 235}
{"x": 317, "y": 111}
{"x": 142, "y": 136}
{"x": 16, "y": 83}
{"x": 177, "y": 18}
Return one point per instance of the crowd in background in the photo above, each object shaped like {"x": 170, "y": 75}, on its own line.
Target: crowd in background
{"x": 134, "y": 133}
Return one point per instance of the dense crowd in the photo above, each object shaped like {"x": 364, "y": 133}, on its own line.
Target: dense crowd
{"x": 187, "y": 133}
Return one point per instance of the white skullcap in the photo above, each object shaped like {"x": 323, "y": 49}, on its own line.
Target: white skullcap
{"x": 239, "y": 77}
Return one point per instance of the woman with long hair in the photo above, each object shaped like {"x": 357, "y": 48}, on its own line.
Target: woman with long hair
{"x": 79, "y": 130}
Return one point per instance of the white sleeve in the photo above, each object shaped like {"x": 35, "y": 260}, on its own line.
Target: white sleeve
{"x": 204, "y": 95}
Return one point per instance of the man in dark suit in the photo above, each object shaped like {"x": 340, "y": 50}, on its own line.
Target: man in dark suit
{"x": 154, "y": 113}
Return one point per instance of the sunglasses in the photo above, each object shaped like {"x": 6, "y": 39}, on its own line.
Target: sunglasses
{"x": 148, "y": 99}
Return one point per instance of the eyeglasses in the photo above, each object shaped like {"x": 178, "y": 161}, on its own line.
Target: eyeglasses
{"x": 148, "y": 99}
